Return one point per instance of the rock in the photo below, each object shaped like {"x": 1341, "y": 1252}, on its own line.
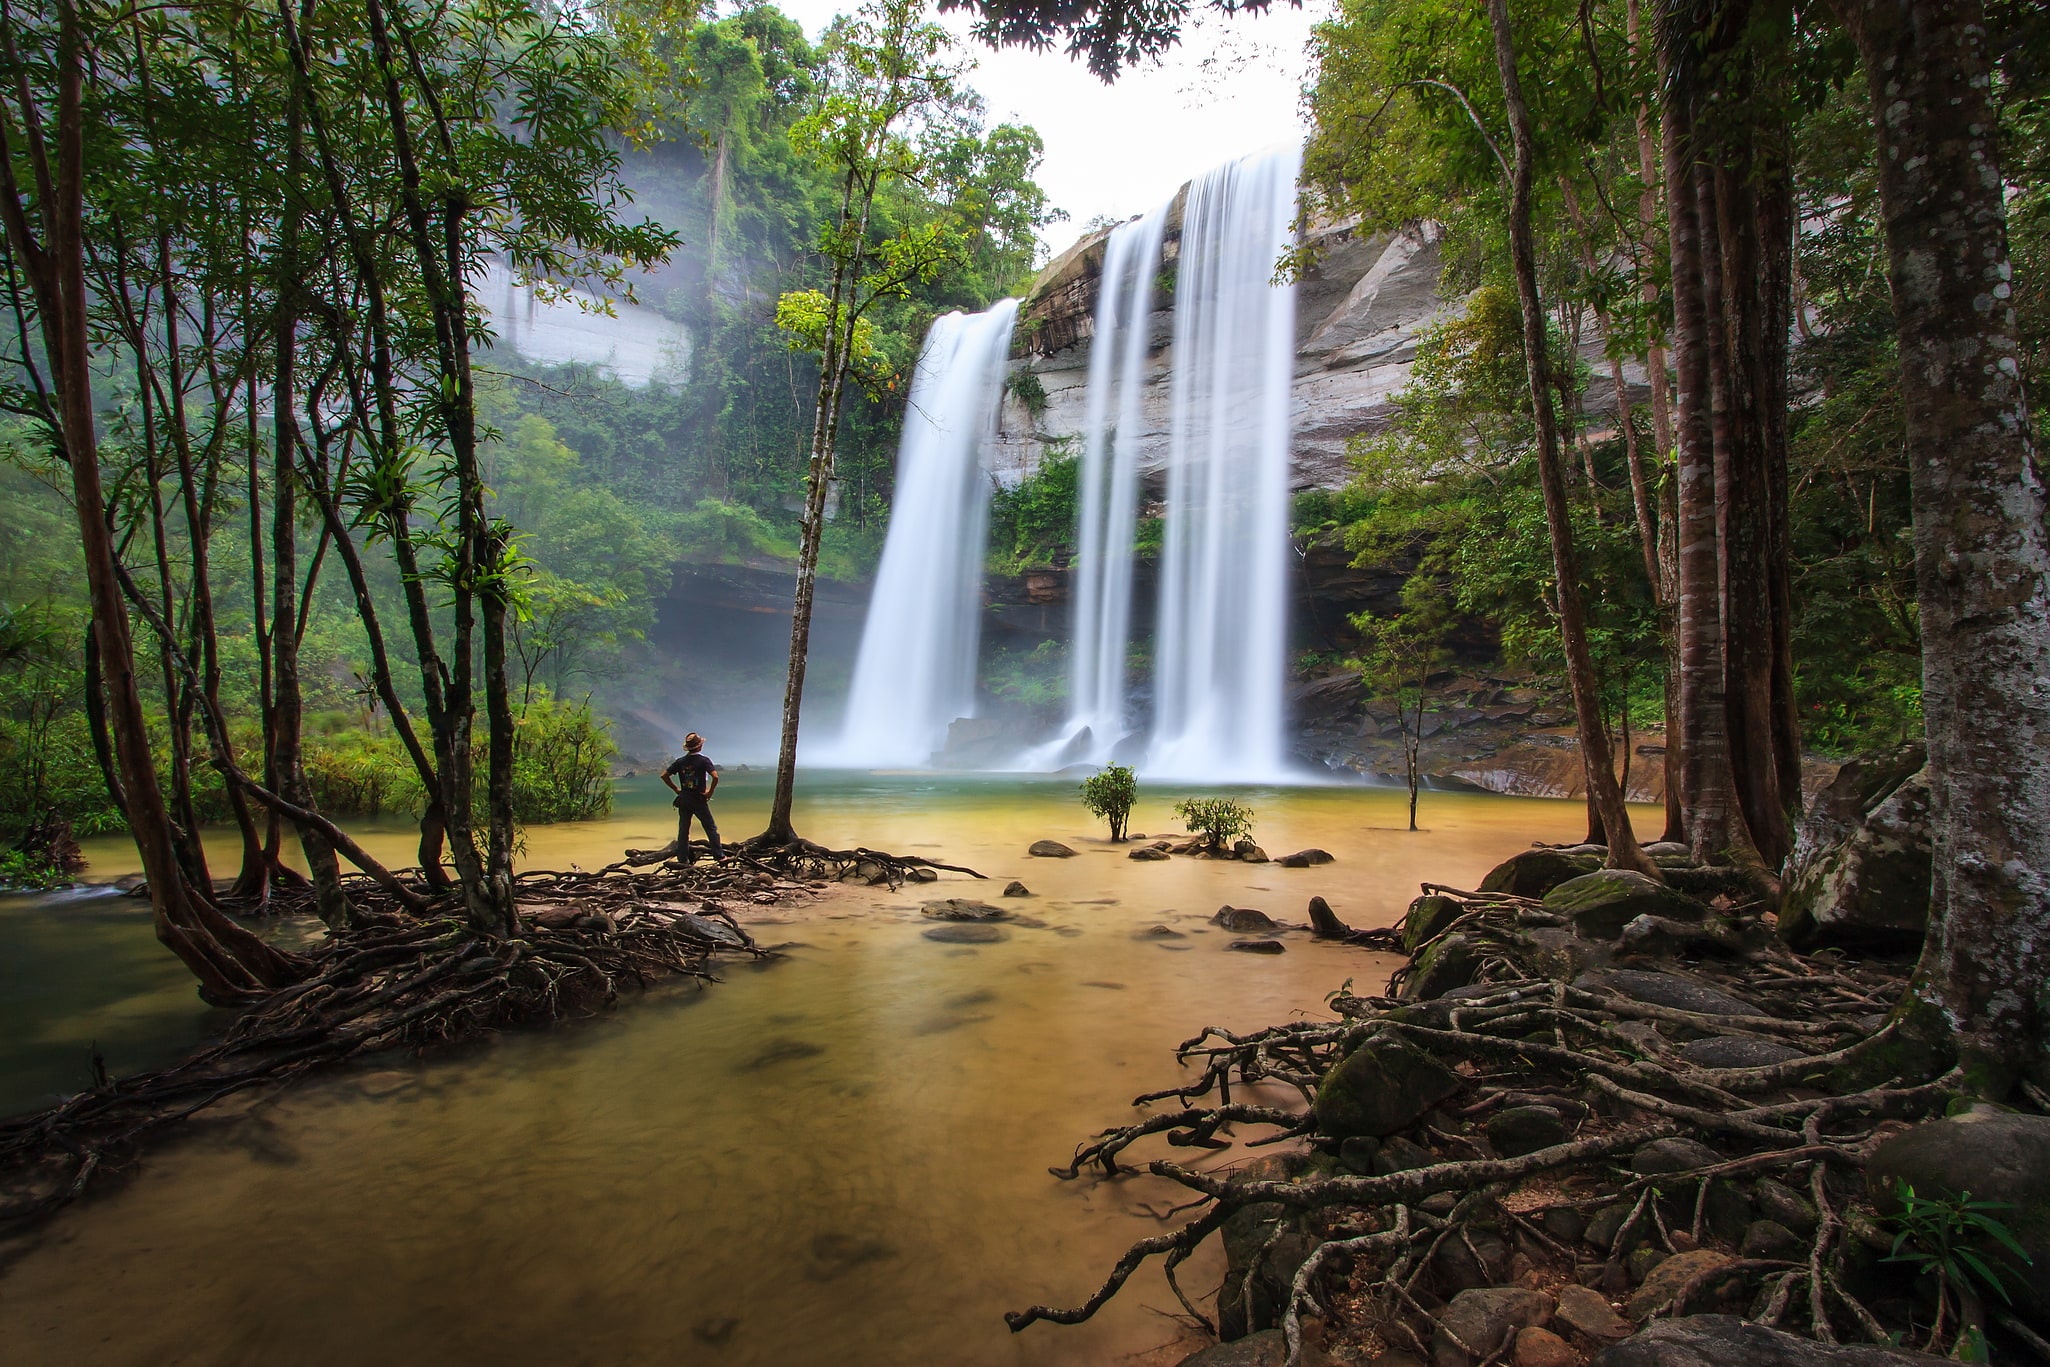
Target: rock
{"x": 1304, "y": 859}
{"x": 1585, "y": 1311}
{"x": 1995, "y": 1155}
{"x": 1559, "y": 954}
{"x": 1014, "y": 888}
{"x": 1534, "y": 873}
{"x": 1606, "y": 1224}
{"x": 1668, "y": 849}
{"x": 1324, "y": 922}
{"x": 1601, "y": 903}
{"x": 1672, "y": 1275}
{"x": 1727, "y": 1341}
{"x": 1381, "y": 1087}
{"x": 956, "y": 934}
{"x": 1158, "y": 933}
{"x": 1248, "y": 852}
{"x": 1428, "y": 917}
{"x": 1483, "y": 1319}
{"x": 1356, "y": 1155}
{"x": 1244, "y": 920}
{"x": 1148, "y": 854}
{"x": 961, "y": 909}
{"x": 1518, "y": 1130}
{"x": 1663, "y": 1156}
{"x": 1270, "y": 1233}
{"x": 1450, "y": 962}
{"x": 1642, "y": 1262}
{"x": 1731, "y": 1051}
{"x": 1859, "y": 873}
{"x": 1542, "y": 1348}
{"x": 923, "y": 875}
{"x": 1727, "y": 1212}
{"x": 1258, "y": 946}
{"x": 1565, "y": 1224}
{"x": 1771, "y": 1239}
{"x": 1778, "y": 1201}
{"x": 711, "y": 928}
{"x": 1669, "y": 990}
{"x": 1459, "y": 1268}
{"x": 1050, "y": 849}
{"x": 1268, "y": 1348}
{"x": 1401, "y": 1155}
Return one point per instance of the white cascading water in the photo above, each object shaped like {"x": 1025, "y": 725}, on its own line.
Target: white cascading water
{"x": 1221, "y": 642}
{"x": 915, "y": 672}
{"x": 1111, "y": 424}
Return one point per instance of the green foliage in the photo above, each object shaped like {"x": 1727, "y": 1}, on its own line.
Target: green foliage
{"x": 562, "y": 763}
{"x": 358, "y": 772}
{"x": 1110, "y": 794}
{"x": 1030, "y": 390}
{"x": 1029, "y": 522}
{"x": 25, "y": 871}
{"x": 1955, "y": 1239}
{"x": 1035, "y": 678}
{"x": 1219, "y": 820}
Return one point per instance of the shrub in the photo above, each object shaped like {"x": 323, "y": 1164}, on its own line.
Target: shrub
{"x": 1219, "y": 820}
{"x": 562, "y": 764}
{"x": 1110, "y": 795}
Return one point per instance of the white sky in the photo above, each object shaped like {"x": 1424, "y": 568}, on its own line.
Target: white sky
{"x": 1232, "y": 86}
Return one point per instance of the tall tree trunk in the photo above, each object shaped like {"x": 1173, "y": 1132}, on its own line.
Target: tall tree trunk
{"x": 1595, "y": 753}
{"x": 1982, "y": 567}
{"x": 232, "y": 963}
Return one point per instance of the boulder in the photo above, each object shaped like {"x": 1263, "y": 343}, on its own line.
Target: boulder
{"x": 1670, "y": 990}
{"x": 1481, "y": 1259}
{"x": 1244, "y": 920}
{"x": 1248, "y": 852}
{"x": 1324, "y": 922}
{"x": 1264, "y": 1243}
{"x": 1401, "y": 1155}
{"x": 1014, "y": 888}
{"x": 1601, "y": 903}
{"x": 1672, "y": 1276}
{"x": 1448, "y": 963}
{"x": 1771, "y": 1239}
{"x": 1995, "y": 1155}
{"x": 1518, "y": 1130}
{"x": 1050, "y": 849}
{"x": 1484, "y": 1319}
{"x": 959, "y": 934}
{"x": 961, "y": 909}
{"x": 1357, "y": 1154}
{"x": 1662, "y": 1157}
{"x": 1428, "y": 917}
{"x": 1726, "y": 1341}
{"x": 1534, "y": 873}
{"x": 1268, "y": 1348}
{"x": 1158, "y": 932}
{"x": 1304, "y": 859}
{"x": 1148, "y": 854}
{"x": 1778, "y": 1201}
{"x": 1859, "y": 873}
{"x": 1381, "y": 1087}
{"x": 1586, "y": 1311}
{"x": 1258, "y": 946}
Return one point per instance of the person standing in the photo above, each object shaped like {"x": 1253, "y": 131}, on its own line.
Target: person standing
{"x": 694, "y": 779}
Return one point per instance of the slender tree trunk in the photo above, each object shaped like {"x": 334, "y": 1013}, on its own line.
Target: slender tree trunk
{"x": 1982, "y": 567}
{"x": 231, "y": 962}
{"x": 1624, "y": 852}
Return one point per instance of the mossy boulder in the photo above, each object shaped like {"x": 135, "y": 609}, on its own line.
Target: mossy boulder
{"x": 1601, "y": 903}
{"x": 1427, "y": 919}
{"x": 1995, "y": 1155}
{"x": 1446, "y": 963}
{"x": 1381, "y": 1087}
{"x": 1265, "y": 1242}
{"x": 1536, "y": 872}
{"x": 1859, "y": 874}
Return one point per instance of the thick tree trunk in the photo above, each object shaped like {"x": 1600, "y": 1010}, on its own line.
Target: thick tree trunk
{"x": 1982, "y": 567}
{"x": 1595, "y": 753}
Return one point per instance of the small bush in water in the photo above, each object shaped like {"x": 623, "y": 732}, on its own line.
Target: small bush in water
{"x": 1218, "y": 820}
{"x": 1110, "y": 795}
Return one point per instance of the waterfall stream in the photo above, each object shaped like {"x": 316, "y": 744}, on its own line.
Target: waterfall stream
{"x": 915, "y": 672}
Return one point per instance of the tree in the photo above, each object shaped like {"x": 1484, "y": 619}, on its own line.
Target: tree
{"x": 1219, "y": 820}
{"x": 1402, "y": 653}
{"x": 1982, "y": 565}
{"x": 887, "y": 101}
{"x": 1110, "y": 795}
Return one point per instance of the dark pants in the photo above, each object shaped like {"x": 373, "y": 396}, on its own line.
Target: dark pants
{"x": 690, "y": 805}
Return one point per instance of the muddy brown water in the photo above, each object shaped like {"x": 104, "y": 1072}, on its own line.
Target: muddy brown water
{"x": 836, "y": 1158}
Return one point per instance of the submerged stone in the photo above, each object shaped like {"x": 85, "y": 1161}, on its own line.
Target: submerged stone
{"x": 966, "y": 934}
{"x": 1258, "y": 946}
{"x": 1244, "y": 920}
{"x": 1050, "y": 849}
{"x": 962, "y": 909}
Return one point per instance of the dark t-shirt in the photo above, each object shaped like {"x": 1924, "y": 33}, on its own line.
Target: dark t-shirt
{"x": 694, "y": 772}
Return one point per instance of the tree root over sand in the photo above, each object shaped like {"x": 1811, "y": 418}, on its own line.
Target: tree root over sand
{"x": 800, "y": 858}
{"x": 1373, "y": 1238}
{"x": 397, "y": 980}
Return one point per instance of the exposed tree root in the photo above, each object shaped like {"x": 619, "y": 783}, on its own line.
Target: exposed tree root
{"x": 1608, "y": 1064}
{"x": 800, "y": 858}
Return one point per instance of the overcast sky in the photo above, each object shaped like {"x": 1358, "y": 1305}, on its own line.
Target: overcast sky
{"x": 1233, "y": 86}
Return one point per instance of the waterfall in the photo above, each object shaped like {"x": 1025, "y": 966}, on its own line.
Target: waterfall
{"x": 1221, "y": 643}
{"x": 1110, "y": 497}
{"x": 915, "y": 672}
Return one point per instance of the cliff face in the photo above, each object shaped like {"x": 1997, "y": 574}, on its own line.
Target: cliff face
{"x": 1359, "y": 309}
